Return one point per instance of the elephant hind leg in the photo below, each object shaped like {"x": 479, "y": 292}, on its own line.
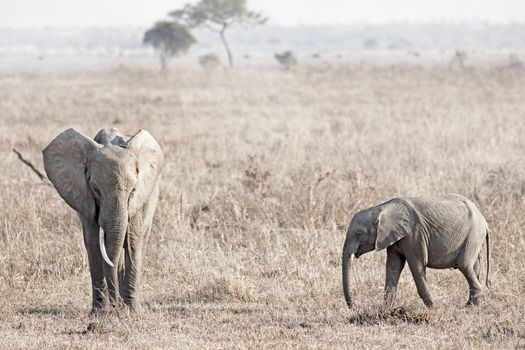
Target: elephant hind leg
{"x": 470, "y": 265}
{"x": 477, "y": 267}
{"x": 475, "y": 287}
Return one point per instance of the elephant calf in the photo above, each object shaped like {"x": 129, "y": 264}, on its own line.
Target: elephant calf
{"x": 436, "y": 232}
{"x": 113, "y": 184}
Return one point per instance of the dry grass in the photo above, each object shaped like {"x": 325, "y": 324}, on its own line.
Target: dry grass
{"x": 264, "y": 170}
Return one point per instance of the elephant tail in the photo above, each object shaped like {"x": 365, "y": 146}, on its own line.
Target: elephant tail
{"x": 487, "y": 240}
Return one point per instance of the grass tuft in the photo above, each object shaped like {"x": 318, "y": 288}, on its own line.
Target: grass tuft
{"x": 392, "y": 316}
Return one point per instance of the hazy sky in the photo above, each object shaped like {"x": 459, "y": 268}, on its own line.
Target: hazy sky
{"x": 286, "y": 12}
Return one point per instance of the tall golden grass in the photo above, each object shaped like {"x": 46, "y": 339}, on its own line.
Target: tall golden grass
{"x": 264, "y": 170}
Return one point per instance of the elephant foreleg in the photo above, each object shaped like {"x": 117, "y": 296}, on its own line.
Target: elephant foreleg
{"x": 418, "y": 270}
{"x": 121, "y": 271}
{"x": 395, "y": 263}
{"x": 133, "y": 271}
{"x": 138, "y": 234}
{"x": 98, "y": 283}
{"x": 96, "y": 269}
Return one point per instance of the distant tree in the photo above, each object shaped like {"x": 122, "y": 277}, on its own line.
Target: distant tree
{"x": 218, "y": 16}
{"x": 169, "y": 39}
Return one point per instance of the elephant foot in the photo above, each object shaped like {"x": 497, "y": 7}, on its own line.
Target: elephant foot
{"x": 136, "y": 308}
{"x": 473, "y": 301}
{"x": 390, "y": 297}
{"x": 98, "y": 307}
{"x": 428, "y": 303}
{"x": 474, "y": 298}
{"x": 134, "y": 305}
{"x": 96, "y": 311}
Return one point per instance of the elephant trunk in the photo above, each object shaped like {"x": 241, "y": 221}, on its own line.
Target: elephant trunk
{"x": 112, "y": 238}
{"x": 347, "y": 253}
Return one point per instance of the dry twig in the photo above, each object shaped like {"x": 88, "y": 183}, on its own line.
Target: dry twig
{"x": 32, "y": 167}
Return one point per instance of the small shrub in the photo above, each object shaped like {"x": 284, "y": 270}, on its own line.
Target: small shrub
{"x": 458, "y": 59}
{"x": 209, "y": 61}
{"x": 98, "y": 326}
{"x": 226, "y": 288}
{"x": 287, "y": 59}
{"x": 393, "y": 316}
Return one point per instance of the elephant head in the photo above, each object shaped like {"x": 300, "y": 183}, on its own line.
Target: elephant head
{"x": 375, "y": 228}
{"x": 106, "y": 181}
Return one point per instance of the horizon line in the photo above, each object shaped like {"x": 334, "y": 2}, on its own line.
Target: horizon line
{"x": 448, "y": 21}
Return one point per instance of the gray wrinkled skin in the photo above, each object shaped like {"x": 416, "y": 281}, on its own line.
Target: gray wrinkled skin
{"x": 437, "y": 232}
{"x": 113, "y": 184}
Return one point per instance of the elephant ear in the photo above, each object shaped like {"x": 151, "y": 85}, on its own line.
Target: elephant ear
{"x": 65, "y": 161}
{"x": 394, "y": 222}
{"x": 150, "y": 161}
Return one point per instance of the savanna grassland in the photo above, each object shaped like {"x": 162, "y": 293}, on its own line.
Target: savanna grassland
{"x": 264, "y": 170}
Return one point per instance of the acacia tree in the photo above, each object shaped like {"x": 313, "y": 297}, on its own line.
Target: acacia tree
{"x": 169, "y": 39}
{"x": 218, "y": 16}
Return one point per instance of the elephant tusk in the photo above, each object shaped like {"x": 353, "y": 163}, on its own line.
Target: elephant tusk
{"x": 103, "y": 247}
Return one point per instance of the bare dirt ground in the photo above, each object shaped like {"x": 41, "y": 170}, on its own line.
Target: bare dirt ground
{"x": 264, "y": 170}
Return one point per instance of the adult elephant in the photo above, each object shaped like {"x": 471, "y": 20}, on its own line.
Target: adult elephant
{"x": 113, "y": 184}
{"x": 436, "y": 232}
